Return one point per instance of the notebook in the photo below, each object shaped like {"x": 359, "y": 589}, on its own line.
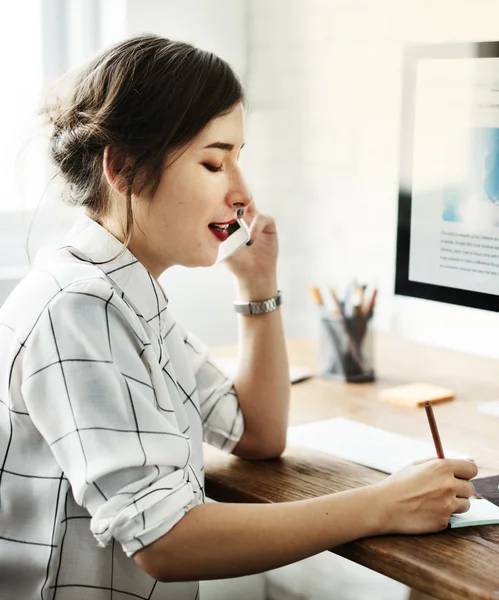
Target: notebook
{"x": 481, "y": 512}
{"x": 363, "y": 444}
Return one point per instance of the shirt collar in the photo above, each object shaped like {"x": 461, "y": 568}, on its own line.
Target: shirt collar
{"x": 96, "y": 244}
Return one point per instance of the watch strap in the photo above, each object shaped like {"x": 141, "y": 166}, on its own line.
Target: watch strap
{"x": 258, "y": 307}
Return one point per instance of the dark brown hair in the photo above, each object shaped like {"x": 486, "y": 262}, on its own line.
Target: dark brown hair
{"x": 144, "y": 98}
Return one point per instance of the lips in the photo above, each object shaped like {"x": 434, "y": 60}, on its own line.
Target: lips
{"x": 220, "y": 229}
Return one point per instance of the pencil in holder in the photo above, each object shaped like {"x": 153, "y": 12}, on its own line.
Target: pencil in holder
{"x": 346, "y": 347}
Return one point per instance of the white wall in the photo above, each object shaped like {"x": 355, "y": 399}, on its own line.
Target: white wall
{"x": 215, "y": 26}
{"x": 324, "y": 80}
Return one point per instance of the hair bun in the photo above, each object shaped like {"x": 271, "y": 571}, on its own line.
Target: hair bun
{"x": 73, "y": 144}
{"x": 74, "y": 150}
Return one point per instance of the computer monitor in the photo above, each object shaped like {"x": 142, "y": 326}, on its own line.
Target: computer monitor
{"x": 448, "y": 211}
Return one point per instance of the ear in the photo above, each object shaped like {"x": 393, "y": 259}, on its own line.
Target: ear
{"x": 114, "y": 162}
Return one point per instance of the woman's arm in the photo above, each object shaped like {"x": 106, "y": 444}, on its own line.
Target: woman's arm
{"x": 262, "y": 381}
{"x": 214, "y": 541}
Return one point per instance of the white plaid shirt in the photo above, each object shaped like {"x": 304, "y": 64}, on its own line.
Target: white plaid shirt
{"x": 104, "y": 404}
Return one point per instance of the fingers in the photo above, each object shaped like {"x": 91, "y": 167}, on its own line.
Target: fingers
{"x": 458, "y": 468}
{"x": 462, "y": 469}
{"x": 261, "y": 223}
{"x": 464, "y": 489}
{"x": 462, "y": 505}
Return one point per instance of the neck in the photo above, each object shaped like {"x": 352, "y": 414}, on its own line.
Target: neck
{"x": 137, "y": 245}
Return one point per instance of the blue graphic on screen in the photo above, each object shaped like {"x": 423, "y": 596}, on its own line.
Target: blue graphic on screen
{"x": 476, "y": 202}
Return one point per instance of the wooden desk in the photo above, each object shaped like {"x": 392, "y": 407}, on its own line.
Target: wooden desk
{"x": 452, "y": 565}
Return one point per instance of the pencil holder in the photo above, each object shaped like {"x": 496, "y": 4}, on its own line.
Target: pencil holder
{"x": 346, "y": 348}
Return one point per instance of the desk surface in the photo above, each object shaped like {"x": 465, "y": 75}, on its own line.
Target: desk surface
{"x": 457, "y": 564}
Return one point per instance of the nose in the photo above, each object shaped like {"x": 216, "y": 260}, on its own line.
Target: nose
{"x": 238, "y": 195}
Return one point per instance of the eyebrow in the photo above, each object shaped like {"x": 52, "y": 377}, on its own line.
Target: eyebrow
{"x": 222, "y": 146}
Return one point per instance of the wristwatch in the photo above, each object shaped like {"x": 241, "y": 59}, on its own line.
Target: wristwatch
{"x": 259, "y": 307}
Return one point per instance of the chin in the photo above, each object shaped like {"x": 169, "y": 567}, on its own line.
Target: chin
{"x": 205, "y": 260}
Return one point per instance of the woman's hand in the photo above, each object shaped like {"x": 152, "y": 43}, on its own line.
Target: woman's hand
{"x": 255, "y": 265}
{"x": 422, "y": 497}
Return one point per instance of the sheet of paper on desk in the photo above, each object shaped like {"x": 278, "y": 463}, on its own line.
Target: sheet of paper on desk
{"x": 362, "y": 444}
{"x": 297, "y": 373}
{"x": 481, "y": 512}
{"x": 490, "y": 408}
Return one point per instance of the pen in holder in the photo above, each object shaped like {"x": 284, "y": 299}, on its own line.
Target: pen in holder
{"x": 346, "y": 341}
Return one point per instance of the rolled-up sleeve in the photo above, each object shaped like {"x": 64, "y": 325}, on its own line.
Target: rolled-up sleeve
{"x": 87, "y": 387}
{"x": 223, "y": 422}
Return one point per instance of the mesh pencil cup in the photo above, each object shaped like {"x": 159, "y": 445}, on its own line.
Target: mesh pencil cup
{"x": 346, "y": 348}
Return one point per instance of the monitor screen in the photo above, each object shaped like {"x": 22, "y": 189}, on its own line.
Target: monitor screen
{"x": 448, "y": 213}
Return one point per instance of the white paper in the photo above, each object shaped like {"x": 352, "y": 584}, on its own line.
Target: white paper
{"x": 363, "y": 444}
{"x": 490, "y": 408}
{"x": 298, "y": 373}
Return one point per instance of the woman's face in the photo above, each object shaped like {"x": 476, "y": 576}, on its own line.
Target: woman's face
{"x": 201, "y": 186}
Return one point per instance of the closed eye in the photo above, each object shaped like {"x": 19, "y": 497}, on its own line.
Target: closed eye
{"x": 213, "y": 168}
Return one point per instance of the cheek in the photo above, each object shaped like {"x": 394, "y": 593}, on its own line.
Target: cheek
{"x": 186, "y": 201}
{"x": 175, "y": 185}
{"x": 191, "y": 195}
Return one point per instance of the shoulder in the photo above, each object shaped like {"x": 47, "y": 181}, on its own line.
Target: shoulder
{"x": 65, "y": 284}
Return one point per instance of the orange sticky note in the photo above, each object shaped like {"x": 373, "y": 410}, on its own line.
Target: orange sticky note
{"x": 416, "y": 394}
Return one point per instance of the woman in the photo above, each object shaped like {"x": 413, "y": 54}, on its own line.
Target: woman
{"x": 105, "y": 400}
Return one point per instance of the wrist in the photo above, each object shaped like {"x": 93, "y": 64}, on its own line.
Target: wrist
{"x": 256, "y": 289}
{"x": 381, "y": 508}
{"x": 367, "y": 505}
{"x": 362, "y": 510}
